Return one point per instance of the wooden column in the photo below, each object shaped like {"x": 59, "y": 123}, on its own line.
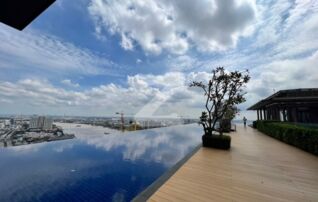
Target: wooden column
{"x": 295, "y": 115}
{"x": 276, "y": 114}
{"x": 284, "y": 115}
{"x": 262, "y": 114}
{"x": 265, "y": 114}
{"x": 257, "y": 115}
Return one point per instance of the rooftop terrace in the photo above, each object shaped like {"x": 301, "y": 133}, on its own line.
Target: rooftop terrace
{"x": 257, "y": 168}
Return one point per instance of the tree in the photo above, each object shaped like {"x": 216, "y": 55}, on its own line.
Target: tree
{"x": 223, "y": 92}
{"x": 225, "y": 122}
{"x": 231, "y": 112}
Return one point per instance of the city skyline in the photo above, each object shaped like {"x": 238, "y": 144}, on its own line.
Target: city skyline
{"x": 92, "y": 58}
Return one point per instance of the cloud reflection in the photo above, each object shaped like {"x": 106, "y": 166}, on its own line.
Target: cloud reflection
{"x": 164, "y": 145}
{"x": 124, "y": 163}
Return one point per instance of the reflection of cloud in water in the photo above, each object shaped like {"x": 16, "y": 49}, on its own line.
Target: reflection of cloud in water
{"x": 62, "y": 147}
{"x": 85, "y": 129}
{"x": 164, "y": 145}
{"x": 93, "y": 159}
{"x": 119, "y": 196}
{"x": 49, "y": 178}
{"x": 57, "y": 146}
{"x": 28, "y": 148}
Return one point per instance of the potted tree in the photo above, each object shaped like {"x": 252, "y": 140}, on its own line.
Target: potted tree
{"x": 225, "y": 122}
{"x": 222, "y": 93}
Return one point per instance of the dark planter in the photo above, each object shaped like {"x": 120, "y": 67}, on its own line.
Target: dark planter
{"x": 216, "y": 141}
{"x": 254, "y": 124}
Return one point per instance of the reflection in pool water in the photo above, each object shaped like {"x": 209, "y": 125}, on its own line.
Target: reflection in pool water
{"x": 94, "y": 166}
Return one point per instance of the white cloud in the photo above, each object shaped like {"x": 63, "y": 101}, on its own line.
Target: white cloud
{"x": 138, "y": 61}
{"x": 285, "y": 30}
{"x": 152, "y": 95}
{"x": 33, "y": 51}
{"x": 174, "y": 25}
{"x": 5, "y": 101}
{"x": 300, "y": 10}
{"x": 281, "y": 75}
{"x": 291, "y": 73}
{"x": 69, "y": 83}
{"x": 141, "y": 90}
{"x": 289, "y": 27}
{"x": 183, "y": 63}
{"x": 281, "y": 53}
{"x": 126, "y": 42}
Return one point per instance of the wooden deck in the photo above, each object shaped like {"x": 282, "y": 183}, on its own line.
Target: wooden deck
{"x": 257, "y": 168}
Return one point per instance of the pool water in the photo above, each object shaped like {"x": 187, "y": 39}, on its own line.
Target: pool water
{"x": 94, "y": 166}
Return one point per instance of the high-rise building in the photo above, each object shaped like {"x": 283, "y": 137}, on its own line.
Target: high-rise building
{"x": 34, "y": 122}
{"x": 41, "y": 122}
{"x": 47, "y": 123}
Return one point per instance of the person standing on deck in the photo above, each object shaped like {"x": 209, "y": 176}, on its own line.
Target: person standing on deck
{"x": 244, "y": 120}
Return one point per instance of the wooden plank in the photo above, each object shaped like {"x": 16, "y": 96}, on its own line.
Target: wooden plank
{"x": 257, "y": 168}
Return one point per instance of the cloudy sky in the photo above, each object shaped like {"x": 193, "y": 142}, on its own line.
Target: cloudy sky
{"x": 96, "y": 57}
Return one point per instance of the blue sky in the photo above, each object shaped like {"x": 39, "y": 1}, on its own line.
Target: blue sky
{"x": 96, "y": 57}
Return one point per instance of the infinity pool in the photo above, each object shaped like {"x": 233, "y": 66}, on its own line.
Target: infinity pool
{"x": 94, "y": 166}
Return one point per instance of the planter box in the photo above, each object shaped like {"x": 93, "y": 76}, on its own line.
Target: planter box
{"x": 216, "y": 141}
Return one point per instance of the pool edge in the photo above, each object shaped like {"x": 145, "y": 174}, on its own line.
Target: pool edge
{"x": 151, "y": 189}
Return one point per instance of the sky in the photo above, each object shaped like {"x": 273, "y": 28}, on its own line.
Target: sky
{"x": 99, "y": 57}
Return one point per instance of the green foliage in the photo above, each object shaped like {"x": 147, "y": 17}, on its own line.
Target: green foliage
{"x": 204, "y": 117}
{"x": 313, "y": 126}
{"x": 225, "y": 125}
{"x": 231, "y": 112}
{"x": 255, "y": 124}
{"x": 222, "y": 93}
{"x": 203, "y": 122}
{"x": 296, "y": 135}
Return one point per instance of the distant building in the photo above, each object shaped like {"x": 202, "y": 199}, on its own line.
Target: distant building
{"x": 295, "y": 105}
{"x": 41, "y": 122}
{"x": 47, "y": 124}
{"x": 6, "y": 123}
{"x": 34, "y": 122}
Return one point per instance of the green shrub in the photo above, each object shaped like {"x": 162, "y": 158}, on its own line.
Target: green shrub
{"x": 297, "y": 135}
{"x": 255, "y": 124}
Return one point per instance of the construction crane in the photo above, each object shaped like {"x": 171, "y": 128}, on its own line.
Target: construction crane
{"x": 122, "y": 119}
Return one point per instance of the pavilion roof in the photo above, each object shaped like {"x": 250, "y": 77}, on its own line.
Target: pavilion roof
{"x": 290, "y": 97}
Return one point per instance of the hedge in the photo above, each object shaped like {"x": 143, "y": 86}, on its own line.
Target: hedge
{"x": 296, "y": 135}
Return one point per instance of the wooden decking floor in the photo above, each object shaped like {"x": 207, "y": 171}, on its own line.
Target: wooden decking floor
{"x": 257, "y": 168}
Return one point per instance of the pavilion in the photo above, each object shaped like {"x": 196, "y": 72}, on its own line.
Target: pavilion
{"x": 294, "y": 105}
